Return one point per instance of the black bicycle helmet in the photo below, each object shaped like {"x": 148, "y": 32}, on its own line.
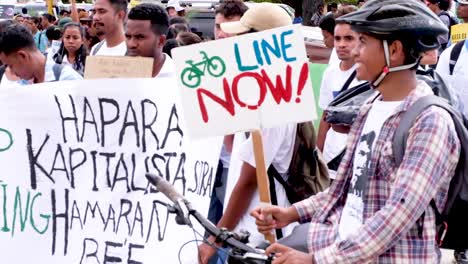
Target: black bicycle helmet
{"x": 408, "y": 20}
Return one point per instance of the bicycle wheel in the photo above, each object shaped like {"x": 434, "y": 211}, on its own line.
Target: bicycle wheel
{"x": 190, "y": 78}
{"x": 216, "y": 66}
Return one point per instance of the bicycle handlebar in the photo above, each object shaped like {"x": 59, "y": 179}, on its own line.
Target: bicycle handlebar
{"x": 246, "y": 252}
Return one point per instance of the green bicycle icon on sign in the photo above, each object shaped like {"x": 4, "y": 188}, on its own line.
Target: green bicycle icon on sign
{"x": 191, "y": 75}
{"x": 10, "y": 140}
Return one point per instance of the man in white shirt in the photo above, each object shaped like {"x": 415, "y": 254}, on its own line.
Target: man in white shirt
{"x": 455, "y": 71}
{"x": 335, "y": 77}
{"x": 146, "y": 35}
{"x": 457, "y": 77}
{"x": 109, "y": 21}
{"x": 25, "y": 60}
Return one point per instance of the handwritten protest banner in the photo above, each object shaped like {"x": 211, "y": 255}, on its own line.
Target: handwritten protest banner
{"x": 459, "y": 32}
{"x": 73, "y": 159}
{"x": 244, "y": 83}
{"x": 118, "y": 67}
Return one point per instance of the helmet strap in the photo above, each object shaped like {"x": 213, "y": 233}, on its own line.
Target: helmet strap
{"x": 387, "y": 69}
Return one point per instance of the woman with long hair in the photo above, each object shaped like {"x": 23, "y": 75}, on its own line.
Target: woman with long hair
{"x": 72, "y": 50}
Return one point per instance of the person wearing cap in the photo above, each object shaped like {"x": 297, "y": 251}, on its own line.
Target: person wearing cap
{"x": 462, "y": 10}
{"x": 109, "y": 23}
{"x": 278, "y": 141}
{"x": 377, "y": 211}
{"x": 174, "y": 9}
{"x": 63, "y": 21}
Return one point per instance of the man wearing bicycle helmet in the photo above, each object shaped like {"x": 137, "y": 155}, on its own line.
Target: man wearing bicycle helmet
{"x": 377, "y": 211}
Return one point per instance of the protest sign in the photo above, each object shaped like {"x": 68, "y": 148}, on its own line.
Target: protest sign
{"x": 118, "y": 67}
{"x": 7, "y": 11}
{"x": 74, "y": 156}
{"x": 459, "y": 32}
{"x": 244, "y": 83}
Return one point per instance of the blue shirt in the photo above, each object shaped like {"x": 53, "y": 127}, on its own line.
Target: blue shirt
{"x": 67, "y": 73}
{"x": 41, "y": 40}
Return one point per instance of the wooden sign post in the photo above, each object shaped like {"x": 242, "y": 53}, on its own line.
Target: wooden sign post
{"x": 262, "y": 177}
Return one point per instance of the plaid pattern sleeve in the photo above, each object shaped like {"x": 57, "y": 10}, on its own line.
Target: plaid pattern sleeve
{"x": 398, "y": 220}
{"x": 308, "y": 209}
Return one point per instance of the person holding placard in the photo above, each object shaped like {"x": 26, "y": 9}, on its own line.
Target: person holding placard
{"x": 19, "y": 52}
{"x": 146, "y": 35}
{"x": 278, "y": 142}
{"x": 378, "y": 211}
{"x": 109, "y": 21}
{"x": 228, "y": 11}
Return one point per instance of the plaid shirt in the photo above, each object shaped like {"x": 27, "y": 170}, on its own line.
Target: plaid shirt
{"x": 399, "y": 224}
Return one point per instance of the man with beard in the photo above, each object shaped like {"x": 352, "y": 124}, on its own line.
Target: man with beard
{"x": 109, "y": 22}
{"x": 146, "y": 35}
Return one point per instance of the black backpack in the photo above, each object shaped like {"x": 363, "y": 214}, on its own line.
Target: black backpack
{"x": 452, "y": 232}
{"x": 307, "y": 173}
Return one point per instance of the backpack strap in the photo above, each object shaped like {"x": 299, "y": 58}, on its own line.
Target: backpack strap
{"x": 272, "y": 175}
{"x": 57, "y": 69}
{"x": 348, "y": 82}
{"x": 407, "y": 121}
{"x": 455, "y": 54}
{"x": 98, "y": 47}
{"x": 402, "y": 132}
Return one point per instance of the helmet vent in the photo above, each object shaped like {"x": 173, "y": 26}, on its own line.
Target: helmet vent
{"x": 390, "y": 12}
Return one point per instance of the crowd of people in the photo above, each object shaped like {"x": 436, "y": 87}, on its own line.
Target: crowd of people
{"x": 375, "y": 210}
{"x": 61, "y": 45}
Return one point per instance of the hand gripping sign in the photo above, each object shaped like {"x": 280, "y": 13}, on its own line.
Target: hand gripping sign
{"x": 246, "y": 83}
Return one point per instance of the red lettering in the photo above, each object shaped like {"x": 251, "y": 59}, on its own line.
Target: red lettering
{"x": 280, "y": 90}
{"x": 261, "y": 86}
{"x": 227, "y": 103}
{"x": 303, "y": 77}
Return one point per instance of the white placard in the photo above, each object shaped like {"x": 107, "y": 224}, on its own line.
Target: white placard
{"x": 247, "y": 82}
{"x": 74, "y": 156}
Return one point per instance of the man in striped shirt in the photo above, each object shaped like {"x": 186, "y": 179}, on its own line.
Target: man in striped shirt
{"x": 377, "y": 211}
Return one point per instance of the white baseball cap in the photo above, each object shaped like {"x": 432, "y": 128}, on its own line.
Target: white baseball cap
{"x": 175, "y": 4}
{"x": 260, "y": 17}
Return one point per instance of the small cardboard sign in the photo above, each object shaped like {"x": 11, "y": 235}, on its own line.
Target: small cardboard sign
{"x": 459, "y": 32}
{"x": 244, "y": 83}
{"x": 98, "y": 67}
